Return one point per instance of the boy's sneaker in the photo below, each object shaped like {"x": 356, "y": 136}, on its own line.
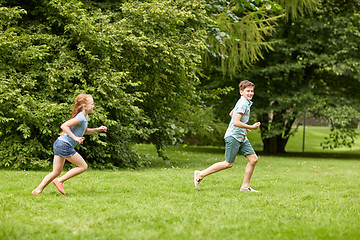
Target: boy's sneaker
{"x": 249, "y": 189}
{"x": 197, "y": 179}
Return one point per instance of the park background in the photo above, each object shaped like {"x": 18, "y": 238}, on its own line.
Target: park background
{"x": 164, "y": 77}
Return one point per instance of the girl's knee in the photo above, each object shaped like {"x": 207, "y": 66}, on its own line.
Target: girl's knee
{"x": 84, "y": 167}
{"x": 56, "y": 173}
{"x": 229, "y": 164}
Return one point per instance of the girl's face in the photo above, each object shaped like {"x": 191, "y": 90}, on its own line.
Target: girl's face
{"x": 247, "y": 93}
{"x": 89, "y": 106}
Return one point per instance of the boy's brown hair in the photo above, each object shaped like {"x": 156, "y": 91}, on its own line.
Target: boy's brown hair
{"x": 244, "y": 84}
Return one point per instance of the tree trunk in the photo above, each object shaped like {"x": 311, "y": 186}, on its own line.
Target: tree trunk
{"x": 274, "y": 145}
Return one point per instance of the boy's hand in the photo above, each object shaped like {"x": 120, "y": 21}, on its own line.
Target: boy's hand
{"x": 102, "y": 129}
{"x": 255, "y": 125}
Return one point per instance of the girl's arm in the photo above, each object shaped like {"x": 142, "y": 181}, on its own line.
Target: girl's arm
{"x": 66, "y": 128}
{"x": 240, "y": 124}
{"x": 95, "y": 130}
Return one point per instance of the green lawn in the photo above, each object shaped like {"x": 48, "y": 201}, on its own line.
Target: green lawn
{"x": 313, "y": 137}
{"x": 300, "y": 198}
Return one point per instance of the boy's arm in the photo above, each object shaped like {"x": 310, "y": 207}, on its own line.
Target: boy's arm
{"x": 240, "y": 124}
{"x": 95, "y": 130}
{"x": 231, "y": 113}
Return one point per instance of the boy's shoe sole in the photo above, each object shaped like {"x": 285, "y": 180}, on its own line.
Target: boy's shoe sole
{"x": 249, "y": 189}
{"x": 196, "y": 180}
{"x": 59, "y": 186}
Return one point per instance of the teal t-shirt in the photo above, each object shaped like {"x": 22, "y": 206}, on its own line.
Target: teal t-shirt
{"x": 243, "y": 107}
{"x": 78, "y": 129}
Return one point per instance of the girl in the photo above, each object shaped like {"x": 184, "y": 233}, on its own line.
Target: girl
{"x": 71, "y": 135}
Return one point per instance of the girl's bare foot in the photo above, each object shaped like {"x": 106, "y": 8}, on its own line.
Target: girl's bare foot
{"x": 36, "y": 192}
{"x": 59, "y": 186}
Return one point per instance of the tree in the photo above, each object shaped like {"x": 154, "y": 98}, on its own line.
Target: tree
{"x": 239, "y": 35}
{"x": 313, "y": 68}
{"x": 140, "y": 60}
{"x": 137, "y": 59}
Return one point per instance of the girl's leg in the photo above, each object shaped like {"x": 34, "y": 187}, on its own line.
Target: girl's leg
{"x": 58, "y": 164}
{"x": 249, "y": 169}
{"x": 215, "y": 168}
{"x": 81, "y": 167}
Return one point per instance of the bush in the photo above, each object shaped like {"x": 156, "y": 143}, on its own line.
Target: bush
{"x": 137, "y": 72}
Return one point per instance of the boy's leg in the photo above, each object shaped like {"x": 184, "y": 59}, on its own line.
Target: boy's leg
{"x": 231, "y": 150}
{"x": 249, "y": 169}
{"x": 58, "y": 164}
{"x": 199, "y": 175}
{"x": 216, "y": 167}
{"x": 81, "y": 167}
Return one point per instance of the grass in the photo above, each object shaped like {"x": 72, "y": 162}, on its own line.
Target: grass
{"x": 314, "y": 136}
{"x": 301, "y": 198}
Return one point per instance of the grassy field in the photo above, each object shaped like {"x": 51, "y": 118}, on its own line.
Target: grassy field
{"x": 301, "y": 198}
{"x": 313, "y": 137}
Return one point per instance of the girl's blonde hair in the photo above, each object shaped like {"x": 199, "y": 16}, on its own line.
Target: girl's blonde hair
{"x": 80, "y": 100}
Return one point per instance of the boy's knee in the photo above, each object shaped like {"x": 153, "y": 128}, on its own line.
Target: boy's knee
{"x": 253, "y": 159}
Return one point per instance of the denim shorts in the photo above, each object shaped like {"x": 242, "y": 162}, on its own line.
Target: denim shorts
{"x": 232, "y": 147}
{"x": 63, "y": 149}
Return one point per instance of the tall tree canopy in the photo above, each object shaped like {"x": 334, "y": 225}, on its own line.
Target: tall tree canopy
{"x": 238, "y": 37}
{"x": 141, "y": 61}
{"x": 313, "y": 68}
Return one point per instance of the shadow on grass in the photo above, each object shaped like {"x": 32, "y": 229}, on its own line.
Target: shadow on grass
{"x": 220, "y": 150}
{"x": 313, "y": 155}
{"x": 202, "y": 149}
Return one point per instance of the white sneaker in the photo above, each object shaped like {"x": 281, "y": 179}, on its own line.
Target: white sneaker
{"x": 197, "y": 179}
{"x": 249, "y": 189}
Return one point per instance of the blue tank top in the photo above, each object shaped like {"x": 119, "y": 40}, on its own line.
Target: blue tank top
{"x": 78, "y": 129}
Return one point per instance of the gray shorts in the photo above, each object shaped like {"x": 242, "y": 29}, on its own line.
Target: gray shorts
{"x": 63, "y": 149}
{"x": 232, "y": 147}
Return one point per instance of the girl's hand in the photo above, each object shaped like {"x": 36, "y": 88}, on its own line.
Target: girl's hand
{"x": 79, "y": 140}
{"x": 102, "y": 129}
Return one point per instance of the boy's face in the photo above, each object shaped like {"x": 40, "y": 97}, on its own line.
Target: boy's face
{"x": 247, "y": 93}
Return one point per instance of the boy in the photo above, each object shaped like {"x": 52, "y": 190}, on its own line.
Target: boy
{"x": 235, "y": 139}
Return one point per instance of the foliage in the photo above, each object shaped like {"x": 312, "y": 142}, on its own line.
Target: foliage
{"x": 342, "y": 131}
{"x": 137, "y": 59}
{"x": 313, "y": 56}
{"x": 314, "y": 65}
{"x": 239, "y": 36}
